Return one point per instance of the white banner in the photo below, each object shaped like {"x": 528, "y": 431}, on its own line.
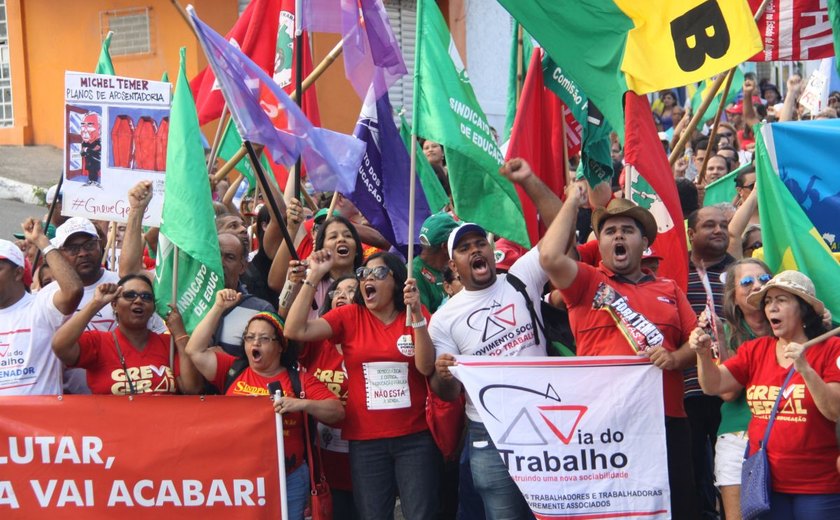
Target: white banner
{"x": 582, "y": 437}
{"x": 116, "y": 135}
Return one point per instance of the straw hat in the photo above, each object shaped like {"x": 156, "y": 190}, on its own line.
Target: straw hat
{"x": 625, "y": 208}
{"x": 795, "y": 283}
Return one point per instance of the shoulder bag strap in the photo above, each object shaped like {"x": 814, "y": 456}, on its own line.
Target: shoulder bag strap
{"x": 131, "y": 389}
{"x": 775, "y": 409}
{"x": 519, "y": 285}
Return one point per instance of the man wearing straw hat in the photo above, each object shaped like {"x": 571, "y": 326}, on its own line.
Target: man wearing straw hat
{"x": 656, "y": 318}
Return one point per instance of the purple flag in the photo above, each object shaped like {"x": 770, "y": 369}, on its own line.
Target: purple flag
{"x": 369, "y": 42}
{"x": 382, "y": 186}
{"x": 260, "y": 108}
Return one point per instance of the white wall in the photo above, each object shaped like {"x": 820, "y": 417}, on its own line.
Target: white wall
{"x": 488, "y": 56}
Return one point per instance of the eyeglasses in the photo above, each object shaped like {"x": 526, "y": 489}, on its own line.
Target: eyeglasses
{"x": 754, "y": 245}
{"x": 254, "y": 339}
{"x": 725, "y": 134}
{"x": 133, "y": 295}
{"x": 379, "y": 272}
{"x": 747, "y": 281}
{"x": 89, "y": 246}
{"x": 341, "y": 292}
{"x": 747, "y": 186}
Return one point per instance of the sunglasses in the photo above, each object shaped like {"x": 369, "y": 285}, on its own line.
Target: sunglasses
{"x": 747, "y": 186}
{"x": 755, "y": 245}
{"x": 133, "y": 295}
{"x": 747, "y": 281}
{"x": 340, "y": 292}
{"x": 379, "y": 272}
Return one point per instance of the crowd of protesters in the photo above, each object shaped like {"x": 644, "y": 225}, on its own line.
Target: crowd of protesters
{"x": 348, "y": 316}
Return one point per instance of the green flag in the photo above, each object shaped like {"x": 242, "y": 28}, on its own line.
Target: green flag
{"x": 187, "y": 222}
{"x": 436, "y": 196}
{"x": 230, "y": 145}
{"x": 790, "y": 239}
{"x": 834, "y": 17}
{"x": 697, "y": 99}
{"x": 165, "y": 77}
{"x": 723, "y": 189}
{"x": 104, "y": 65}
{"x": 596, "y": 161}
{"x": 520, "y": 57}
{"x": 446, "y": 111}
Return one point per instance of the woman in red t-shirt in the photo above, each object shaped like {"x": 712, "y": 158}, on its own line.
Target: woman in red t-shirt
{"x": 131, "y": 359}
{"x": 387, "y": 362}
{"x": 268, "y": 360}
{"x": 801, "y": 449}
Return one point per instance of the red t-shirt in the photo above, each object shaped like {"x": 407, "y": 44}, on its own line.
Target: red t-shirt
{"x": 326, "y": 364}
{"x": 252, "y": 384}
{"x": 387, "y": 395}
{"x": 306, "y": 245}
{"x": 148, "y": 370}
{"x": 802, "y": 449}
{"x": 659, "y": 300}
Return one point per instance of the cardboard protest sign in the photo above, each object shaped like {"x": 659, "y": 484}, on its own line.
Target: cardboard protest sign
{"x": 116, "y": 135}
{"x": 147, "y": 457}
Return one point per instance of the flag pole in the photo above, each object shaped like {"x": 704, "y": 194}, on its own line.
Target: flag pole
{"x": 214, "y": 149}
{"x": 413, "y": 164}
{"x": 49, "y": 216}
{"x": 255, "y": 162}
{"x": 298, "y": 82}
{"x": 520, "y": 58}
{"x": 316, "y": 73}
{"x": 701, "y": 175}
{"x": 175, "y": 253}
{"x": 333, "y": 204}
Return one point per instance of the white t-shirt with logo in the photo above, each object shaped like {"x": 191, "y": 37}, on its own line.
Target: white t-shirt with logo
{"x": 75, "y": 379}
{"x": 494, "y": 321}
{"x": 27, "y": 363}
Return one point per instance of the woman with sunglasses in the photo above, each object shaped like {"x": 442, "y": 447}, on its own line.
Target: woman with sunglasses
{"x": 130, "y": 359}
{"x": 801, "y": 449}
{"x": 742, "y": 322}
{"x": 387, "y": 362}
{"x": 268, "y": 359}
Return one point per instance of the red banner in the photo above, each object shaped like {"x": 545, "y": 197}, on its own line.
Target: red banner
{"x": 153, "y": 456}
{"x": 794, "y": 30}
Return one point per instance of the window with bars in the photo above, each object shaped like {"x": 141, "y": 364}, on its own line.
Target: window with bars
{"x": 133, "y": 31}
{"x": 403, "y": 17}
{"x": 6, "y": 115}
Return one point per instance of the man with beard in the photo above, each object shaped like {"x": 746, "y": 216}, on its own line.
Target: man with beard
{"x": 658, "y": 306}
{"x": 479, "y": 321}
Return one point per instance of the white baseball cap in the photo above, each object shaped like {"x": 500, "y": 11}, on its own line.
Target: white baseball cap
{"x": 71, "y": 227}
{"x": 11, "y": 252}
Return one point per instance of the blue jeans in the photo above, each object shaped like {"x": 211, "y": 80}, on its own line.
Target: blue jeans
{"x": 380, "y": 467}
{"x": 297, "y": 491}
{"x": 499, "y": 493}
{"x": 803, "y": 507}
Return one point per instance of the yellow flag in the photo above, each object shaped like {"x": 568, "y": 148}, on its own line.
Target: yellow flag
{"x": 677, "y": 42}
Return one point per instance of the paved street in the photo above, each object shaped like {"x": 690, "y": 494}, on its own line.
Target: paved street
{"x": 12, "y": 213}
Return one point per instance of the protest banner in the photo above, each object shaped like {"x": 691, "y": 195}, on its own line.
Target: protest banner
{"x": 794, "y": 30}
{"x": 116, "y": 135}
{"x": 574, "y": 448}
{"x": 118, "y": 457}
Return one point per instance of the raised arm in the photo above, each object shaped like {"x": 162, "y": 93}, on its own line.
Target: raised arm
{"x": 282, "y": 257}
{"x": 740, "y": 221}
{"x": 198, "y": 346}
{"x": 826, "y": 395}
{"x": 714, "y": 379}
{"x": 750, "y": 115}
{"x": 298, "y": 325}
{"x": 548, "y": 204}
{"x": 794, "y": 89}
{"x": 65, "y": 342}
{"x": 424, "y": 349}
{"x": 131, "y": 257}
{"x": 554, "y": 257}
{"x": 189, "y": 378}
{"x": 70, "y": 287}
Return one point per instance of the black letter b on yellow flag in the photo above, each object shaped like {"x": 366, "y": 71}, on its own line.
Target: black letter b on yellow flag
{"x": 705, "y": 27}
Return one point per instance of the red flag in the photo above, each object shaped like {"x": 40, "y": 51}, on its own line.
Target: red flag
{"x": 537, "y": 137}
{"x": 649, "y": 183}
{"x": 265, "y": 33}
{"x": 794, "y": 30}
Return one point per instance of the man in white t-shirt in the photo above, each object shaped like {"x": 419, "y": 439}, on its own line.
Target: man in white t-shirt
{"x": 81, "y": 246}
{"x": 488, "y": 318}
{"x": 28, "y": 321}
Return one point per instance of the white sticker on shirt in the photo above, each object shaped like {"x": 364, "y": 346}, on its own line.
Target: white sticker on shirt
{"x": 386, "y": 385}
{"x": 406, "y": 345}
